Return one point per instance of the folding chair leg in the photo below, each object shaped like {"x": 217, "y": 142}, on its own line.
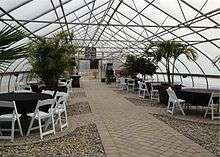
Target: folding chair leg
{"x": 60, "y": 122}
{"x": 52, "y": 119}
{"x": 66, "y": 118}
{"x": 20, "y": 128}
{"x": 207, "y": 110}
{"x": 30, "y": 126}
{"x": 173, "y": 108}
{"x": 181, "y": 109}
{"x": 12, "y": 130}
{"x": 212, "y": 112}
{"x": 40, "y": 128}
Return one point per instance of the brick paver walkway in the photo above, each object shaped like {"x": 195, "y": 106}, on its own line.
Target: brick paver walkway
{"x": 129, "y": 131}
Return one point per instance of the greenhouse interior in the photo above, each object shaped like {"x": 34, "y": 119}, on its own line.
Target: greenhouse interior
{"x": 127, "y": 78}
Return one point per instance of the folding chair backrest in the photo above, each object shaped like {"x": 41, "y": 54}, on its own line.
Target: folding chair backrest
{"x": 172, "y": 94}
{"x": 142, "y": 85}
{"x": 61, "y": 101}
{"x": 122, "y": 80}
{"x": 69, "y": 83}
{"x": 50, "y": 92}
{"x": 9, "y": 104}
{"x": 47, "y": 102}
{"x": 131, "y": 81}
{"x": 60, "y": 94}
{"x": 153, "y": 85}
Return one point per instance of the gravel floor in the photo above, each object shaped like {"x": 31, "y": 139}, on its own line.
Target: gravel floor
{"x": 206, "y": 135}
{"x": 78, "y": 108}
{"x": 79, "y": 95}
{"x": 84, "y": 141}
{"x": 148, "y": 102}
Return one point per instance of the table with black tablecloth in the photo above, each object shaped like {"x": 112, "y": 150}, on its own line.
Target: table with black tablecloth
{"x": 198, "y": 97}
{"x": 25, "y": 102}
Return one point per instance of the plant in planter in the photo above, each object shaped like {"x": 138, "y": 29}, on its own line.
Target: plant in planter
{"x": 8, "y": 51}
{"x": 145, "y": 66}
{"x": 170, "y": 51}
{"x": 130, "y": 66}
{"x": 50, "y": 58}
{"x": 139, "y": 64}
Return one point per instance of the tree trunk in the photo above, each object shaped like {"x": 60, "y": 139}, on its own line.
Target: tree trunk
{"x": 173, "y": 71}
{"x": 168, "y": 72}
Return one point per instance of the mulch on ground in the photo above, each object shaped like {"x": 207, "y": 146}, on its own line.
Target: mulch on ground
{"x": 206, "y": 135}
{"x": 78, "y": 108}
{"x": 84, "y": 141}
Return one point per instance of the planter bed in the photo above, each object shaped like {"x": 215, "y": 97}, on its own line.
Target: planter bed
{"x": 83, "y": 141}
{"x": 78, "y": 108}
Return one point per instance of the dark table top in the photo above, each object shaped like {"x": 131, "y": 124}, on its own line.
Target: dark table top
{"x": 197, "y": 96}
{"x": 25, "y": 102}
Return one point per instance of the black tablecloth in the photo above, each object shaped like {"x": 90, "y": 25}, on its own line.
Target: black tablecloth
{"x": 25, "y": 102}
{"x": 196, "y": 97}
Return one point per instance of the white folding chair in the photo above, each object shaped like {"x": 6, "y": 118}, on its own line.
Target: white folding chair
{"x": 142, "y": 90}
{"x": 69, "y": 86}
{"x": 173, "y": 102}
{"x": 130, "y": 84}
{"x": 154, "y": 93}
{"x": 123, "y": 84}
{"x": 117, "y": 82}
{"x": 213, "y": 107}
{"x": 50, "y": 92}
{"x": 60, "y": 109}
{"x": 42, "y": 116}
{"x": 12, "y": 117}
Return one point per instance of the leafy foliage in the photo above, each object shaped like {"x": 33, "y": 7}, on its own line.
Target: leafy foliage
{"x": 142, "y": 65}
{"x": 8, "y": 50}
{"x": 170, "y": 51}
{"x": 51, "y": 58}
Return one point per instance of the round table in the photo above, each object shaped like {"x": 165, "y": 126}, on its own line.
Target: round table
{"x": 25, "y": 102}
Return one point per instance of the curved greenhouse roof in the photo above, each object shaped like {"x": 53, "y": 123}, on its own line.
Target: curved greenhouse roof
{"x": 120, "y": 27}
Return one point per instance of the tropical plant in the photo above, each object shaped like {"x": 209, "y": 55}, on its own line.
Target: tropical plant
{"x": 51, "y": 57}
{"x": 130, "y": 66}
{"x": 145, "y": 66}
{"x": 8, "y": 50}
{"x": 170, "y": 51}
{"x": 139, "y": 64}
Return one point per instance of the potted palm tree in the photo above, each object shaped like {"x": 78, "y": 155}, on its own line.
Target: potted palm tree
{"x": 51, "y": 57}
{"x": 8, "y": 50}
{"x": 170, "y": 52}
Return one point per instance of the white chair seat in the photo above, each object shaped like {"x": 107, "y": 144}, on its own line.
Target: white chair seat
{"x": 57, "y": 110}
{"x": 181, "y": 101}
{"x": 42, "y": 115}
{"x": 8, "y": 116}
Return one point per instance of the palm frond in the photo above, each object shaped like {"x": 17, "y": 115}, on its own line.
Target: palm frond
{"x": 8, "y": 49}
